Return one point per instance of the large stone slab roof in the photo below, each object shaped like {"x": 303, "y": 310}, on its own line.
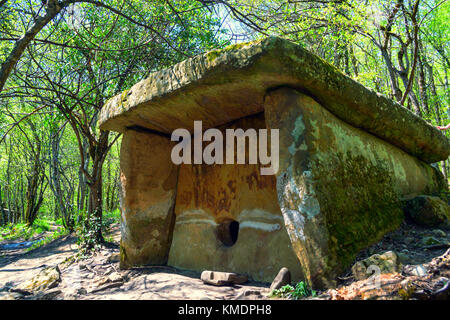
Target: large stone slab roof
{"x": 222, "y": 85}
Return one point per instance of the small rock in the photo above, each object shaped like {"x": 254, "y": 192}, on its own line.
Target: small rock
{"x": 387, "y": 262}
{"x": 283, "y": 278}
{"x": 73, "y": 293}
{"x": 248, "y": 295}
{"x": 126, "y": 275}
{"x": 108, "y": 271}
{"x": 81, "y": 291}
{"x": 48, "y": 295}
{"x": 115, "y": 277}
{"x": 107, "y": 286}
{"x": 101, "y": 281}
{"x": 252, "y": 292}
{"x": 46, "y": 279}
{"x": 419, "y": 271}
{"x": 428, "y": 211}
{"x": 429, "y": 241}
{"x": 439, "y": 233}
{"x": 113, "y": 258}
{"x": 222, "y": 278}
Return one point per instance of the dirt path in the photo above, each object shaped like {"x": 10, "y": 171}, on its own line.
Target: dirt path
{"x": 99, "y": 277}
{"x": 18, "y": 265}
{"x": 102, "y": 280}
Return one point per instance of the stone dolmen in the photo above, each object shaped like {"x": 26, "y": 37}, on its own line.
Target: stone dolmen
{"x": 346, "y": 159}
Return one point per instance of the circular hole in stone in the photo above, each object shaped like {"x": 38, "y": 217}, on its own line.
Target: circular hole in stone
{"x": 227, "y": 232}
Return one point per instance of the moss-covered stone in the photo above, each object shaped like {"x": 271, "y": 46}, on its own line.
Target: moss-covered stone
{"x": 339, "y": 188}
{"x": 214, "y": 54}
{"x": 47, "y": 278}
{"x": 359, "y": 202}
{"x": 428, "y": 211}
{"x": 387, "y": 262}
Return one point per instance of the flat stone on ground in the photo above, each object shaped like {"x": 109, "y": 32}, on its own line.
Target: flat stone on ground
{"x": 222, "y": 278}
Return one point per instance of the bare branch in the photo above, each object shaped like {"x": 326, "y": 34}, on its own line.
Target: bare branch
{"x": 51, "y": 10}
{"x": 416, "y": 50}
{"x": 19, "y": 121}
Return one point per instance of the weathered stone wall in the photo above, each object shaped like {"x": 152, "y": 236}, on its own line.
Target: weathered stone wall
{"x": 339, "y": 188}
{"x": 209, "y": 197}
{"x": 148, "y": 190}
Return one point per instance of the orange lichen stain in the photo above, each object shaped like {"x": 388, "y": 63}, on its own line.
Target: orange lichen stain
{"x": 225, "y": 190}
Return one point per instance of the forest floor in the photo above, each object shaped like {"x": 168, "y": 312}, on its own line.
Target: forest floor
{"x": 99, "y": 277}
{"x": 54, "y": 266}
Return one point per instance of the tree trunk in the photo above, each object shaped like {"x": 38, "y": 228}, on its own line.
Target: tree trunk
{"x": 55, "y": 183}
{"x": 95, "y": 204}
{"x": 95, "y": 209}
{"x": 434, "y": 93}
{"x": 34, "y": 180}
{"x": 422, "y": 82}
{"x": 411, "y": 96}
{"x": 396, "y": 92}
{"x": 82, "y": 183}
{"x": 2, "y": 210}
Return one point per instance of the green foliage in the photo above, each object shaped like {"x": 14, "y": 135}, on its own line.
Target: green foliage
{"x": 47, "y": 229}
{"x": 88, "y": 237}
{"x": 59, "y": 232}
{"x": 283, "y": 292}
{"x": 349, "y": 35}
{"x": 24, "y": 232}
{"x": 301, "y": 290}
{"x": 111, "y": 217}
{"x": 75, "y": 64}
{"x": 83, "y": 61}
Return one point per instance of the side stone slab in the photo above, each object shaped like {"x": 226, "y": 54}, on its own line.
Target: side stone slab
{"x": 339, "y": 188}
{"x": 148, "y": 191}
